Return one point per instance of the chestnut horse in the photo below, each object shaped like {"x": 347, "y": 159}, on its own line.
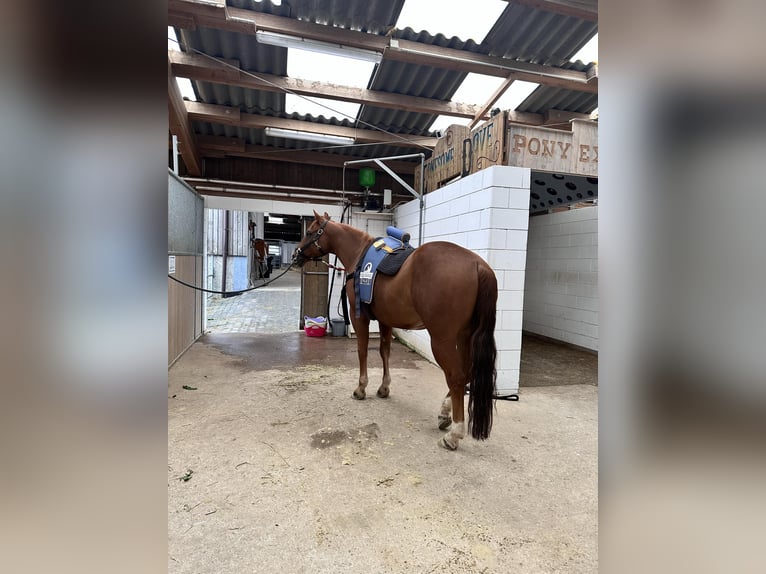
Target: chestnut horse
{"x": 442, "y": 287}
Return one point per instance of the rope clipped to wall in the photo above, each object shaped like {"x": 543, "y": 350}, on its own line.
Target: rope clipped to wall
{"x": 232, "y": 293}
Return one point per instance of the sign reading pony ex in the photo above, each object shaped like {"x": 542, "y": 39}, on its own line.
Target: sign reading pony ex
{"x": 546, "y": 149}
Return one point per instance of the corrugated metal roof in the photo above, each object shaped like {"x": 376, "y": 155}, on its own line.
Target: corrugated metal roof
{"x": 416, "y": 80}
{"x": 546, "y": 98}
{"x": 530, "y": 35}
{"x": 521, "y": 32}
{"x": 252, "y": 56}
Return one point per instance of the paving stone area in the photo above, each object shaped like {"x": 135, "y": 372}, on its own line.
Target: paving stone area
{"x": 274, "y": 308}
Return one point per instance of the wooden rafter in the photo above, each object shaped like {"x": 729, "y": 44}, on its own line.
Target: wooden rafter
{"x": 219, "y": 146}
{"x": 583, "y": 9}
{"x": 180, "y": 126}
{"x": 234, "y": 117}
{"x": 492, "y": 99}
{"x": 562, "y": 119}
{"x": 202, "y": 68}
{"x": 458, "y": 60}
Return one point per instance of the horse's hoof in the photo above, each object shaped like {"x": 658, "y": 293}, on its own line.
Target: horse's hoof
{"x": 444, "y": 422}
{"x": 444, "y": 444}
{"x": 383, "y": 393}
{"x": 359, "y": 396}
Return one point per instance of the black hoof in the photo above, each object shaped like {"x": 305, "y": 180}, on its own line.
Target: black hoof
{"x": 358, "y": 397}
{"x": 383, "y": 394}
{"x": 444, "y": 422}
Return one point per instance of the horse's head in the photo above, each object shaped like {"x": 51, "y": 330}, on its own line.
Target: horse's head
{"x": 310, "y": 247}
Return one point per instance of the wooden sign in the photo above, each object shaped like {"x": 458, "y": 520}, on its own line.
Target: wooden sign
{"x": 485, "y": 145}
{"x": 546, "y": 149}
{"x": 497, "y": 142}
{"x": 446, "y": 161}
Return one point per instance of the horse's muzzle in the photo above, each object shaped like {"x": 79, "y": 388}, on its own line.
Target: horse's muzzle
{"x": 298, "y": 257}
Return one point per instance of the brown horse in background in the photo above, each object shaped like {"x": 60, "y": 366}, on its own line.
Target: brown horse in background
{"x": 442, "y": 287}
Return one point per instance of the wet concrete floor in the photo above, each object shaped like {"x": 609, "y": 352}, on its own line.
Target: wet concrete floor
{"x": 543, "y": 362}
{"x": 289, "y": 349}
{"x": 275, "y": 308}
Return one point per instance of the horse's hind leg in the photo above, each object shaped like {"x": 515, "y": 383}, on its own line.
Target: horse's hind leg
{"x": 362, "y": 329}
{"x": 445, "y": 415}
{"x": 456, "y": 432}
{"x": 451, "y": 363}
{"x": 385, "y": 352}
{"x": 464, "y": 352}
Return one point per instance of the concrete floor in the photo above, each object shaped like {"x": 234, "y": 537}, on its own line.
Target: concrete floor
{"x": 288, "y": 473}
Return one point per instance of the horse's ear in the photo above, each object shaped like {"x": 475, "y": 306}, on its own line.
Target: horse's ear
{"x": 317, "y": 216}
{"x": 326, "y": 215}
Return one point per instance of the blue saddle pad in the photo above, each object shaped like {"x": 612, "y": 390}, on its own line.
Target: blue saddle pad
{"x": 378, "y": 251}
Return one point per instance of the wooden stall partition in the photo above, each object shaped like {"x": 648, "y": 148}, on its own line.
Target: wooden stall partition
{"x": 184, "y": 305}
{"x": 314, "y": 287}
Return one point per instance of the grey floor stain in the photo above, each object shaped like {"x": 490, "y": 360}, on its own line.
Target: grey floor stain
{"x": 328, "y": 437}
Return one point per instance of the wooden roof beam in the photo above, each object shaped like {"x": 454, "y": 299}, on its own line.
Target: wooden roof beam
{"x": 232, "y": 116}
{"x": 559, "y": 118}
{"x": 461, "y": 61}
{"x": 491, "y": 101}
{"x": 247, "y": 21}
{"x": 583, "y": 9}
{"x": 219, "y": 146}
{"x": 180, "y": 126}
{"x": 201, "y": 68}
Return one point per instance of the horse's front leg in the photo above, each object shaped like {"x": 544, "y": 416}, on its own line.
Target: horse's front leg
{"x": 362, "y": 329}
{"x": 386, "y": 334}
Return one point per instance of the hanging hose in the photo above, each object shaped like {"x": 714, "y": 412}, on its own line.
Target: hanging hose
{"x": 332, "y": 281}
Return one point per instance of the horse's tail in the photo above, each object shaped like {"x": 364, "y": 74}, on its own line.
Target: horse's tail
{"x": 483, "y": 354}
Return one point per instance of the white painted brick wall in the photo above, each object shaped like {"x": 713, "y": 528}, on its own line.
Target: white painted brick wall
{"x": 488, "y": 213}
{"x": 561, "y": 294}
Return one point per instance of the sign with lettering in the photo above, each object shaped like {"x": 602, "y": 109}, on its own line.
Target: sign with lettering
{"x": 546, "y": 149}
{"x": 462, "y": 152}
{"x": 485, "y": 145}
{"x": 497, "y": 142}
{"x": 446, "y": 160}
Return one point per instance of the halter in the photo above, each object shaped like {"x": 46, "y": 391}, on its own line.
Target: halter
{"x": 313, "y": 240}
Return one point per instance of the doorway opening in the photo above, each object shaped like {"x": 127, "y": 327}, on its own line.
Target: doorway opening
{"x": 247, "y": 249}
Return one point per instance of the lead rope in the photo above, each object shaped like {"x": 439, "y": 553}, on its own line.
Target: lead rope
{"x": 230, "y": 292}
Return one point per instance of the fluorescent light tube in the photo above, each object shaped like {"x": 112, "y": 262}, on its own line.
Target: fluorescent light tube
{"x": 274, "y": 39}
{"x": 307, "y": 136}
